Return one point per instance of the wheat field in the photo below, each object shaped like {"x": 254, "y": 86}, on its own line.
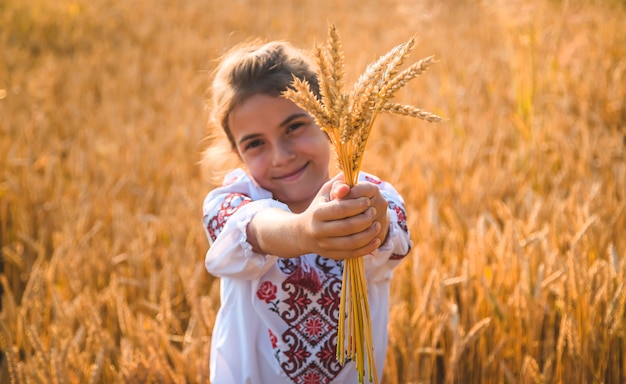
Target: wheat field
{"x": 516, "y": 203}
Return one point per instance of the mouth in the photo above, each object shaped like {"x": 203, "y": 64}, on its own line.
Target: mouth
{"x": 292, "y": 175}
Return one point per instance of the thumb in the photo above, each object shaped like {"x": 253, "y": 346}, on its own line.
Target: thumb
{"x": 324, "y": 192}
{"x": 332, "y": 189}
{"x": 339, "y": 190}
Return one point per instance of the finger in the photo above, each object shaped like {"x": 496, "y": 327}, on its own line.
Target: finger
{"x": 348, "y": 226}
{"x": 378, "y": 201}
{"x": 363, "y": 189}
{"x": 351, "y": 232}
{"x": 341, "y": 209}
{"x": 381, "y": 205}
{"x": 353, "y": 246}
{"x": 339, "y": 190}
{"x": 324, "y": 192}
{"x": 367, "y": 249}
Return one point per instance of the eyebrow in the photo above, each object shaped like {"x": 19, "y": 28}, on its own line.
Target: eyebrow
{"x": 285, "y": 122}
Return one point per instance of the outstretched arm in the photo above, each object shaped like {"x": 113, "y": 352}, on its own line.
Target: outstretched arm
{"x": 339, "y": 223}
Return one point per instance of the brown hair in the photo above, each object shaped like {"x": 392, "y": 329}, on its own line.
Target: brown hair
{"x": 246, "y": 70}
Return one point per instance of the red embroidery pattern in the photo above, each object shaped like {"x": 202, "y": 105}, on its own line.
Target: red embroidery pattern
{"x": 231, "y": 203}
{"x": 399, "y": 210}
{"x": 373, "y": 179}
{"x": 273, "y": 339}
{"x": 266, "y": 292}
{"x": 231, "y": 180}
{"x": 306, "y": 350}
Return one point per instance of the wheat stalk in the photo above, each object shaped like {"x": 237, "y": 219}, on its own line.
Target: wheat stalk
{"x": 7, "y": 350}
{"x": 347, "y": 118}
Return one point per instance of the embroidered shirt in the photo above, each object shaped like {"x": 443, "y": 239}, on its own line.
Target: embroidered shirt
{"x": 278, "y": 317}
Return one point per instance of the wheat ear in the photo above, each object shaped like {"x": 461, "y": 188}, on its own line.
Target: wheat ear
{"x": 348, "y": 118}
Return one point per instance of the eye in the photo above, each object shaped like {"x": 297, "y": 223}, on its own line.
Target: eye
{"x": 252, "y": 144}
{"x": 294, "y": 126}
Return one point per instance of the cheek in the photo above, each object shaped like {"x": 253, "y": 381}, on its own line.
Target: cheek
{"x": 323, "y": 148}
{"x": 256, "y": 165}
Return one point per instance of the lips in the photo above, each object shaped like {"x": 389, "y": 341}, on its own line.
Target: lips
{"x": 292, "y": 175}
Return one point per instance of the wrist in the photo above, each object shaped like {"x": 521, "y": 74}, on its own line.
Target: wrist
{"x": 275, "y": 232}
{"x": 299, "y": 235}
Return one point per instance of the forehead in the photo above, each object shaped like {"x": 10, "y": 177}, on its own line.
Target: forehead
{"x": 260, "y": 113}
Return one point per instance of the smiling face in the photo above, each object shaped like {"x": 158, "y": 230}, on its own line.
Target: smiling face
{"x": 282, "y": 147}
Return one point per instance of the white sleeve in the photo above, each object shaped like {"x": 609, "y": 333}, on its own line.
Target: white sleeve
{"x": 227, "y": 211}
{"x": 230, "y": 254}
{"x": 380, "y": 264}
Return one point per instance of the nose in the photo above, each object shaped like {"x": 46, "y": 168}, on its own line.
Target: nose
{"x": 282, "y": 155}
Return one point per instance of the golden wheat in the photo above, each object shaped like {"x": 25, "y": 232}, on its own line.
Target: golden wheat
{"x": 530, "y": 368}
{"x": 101, "y": 126}
{"x": 347, "y": 118}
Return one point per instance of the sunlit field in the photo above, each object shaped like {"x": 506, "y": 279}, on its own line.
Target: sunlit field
{"x": 516, "y": 203}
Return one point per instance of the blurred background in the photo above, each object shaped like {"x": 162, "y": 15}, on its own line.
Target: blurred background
{"x": 516, "y": 203}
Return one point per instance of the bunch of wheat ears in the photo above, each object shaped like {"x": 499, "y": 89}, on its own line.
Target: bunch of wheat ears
{"x": 347, "y": 118}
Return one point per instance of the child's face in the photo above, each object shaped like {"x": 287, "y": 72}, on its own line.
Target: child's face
{"x": 282, "y": 147}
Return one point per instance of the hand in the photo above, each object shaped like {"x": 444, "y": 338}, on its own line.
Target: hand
{"x": 377, "y": 201}
{"x": 344, "y": 222}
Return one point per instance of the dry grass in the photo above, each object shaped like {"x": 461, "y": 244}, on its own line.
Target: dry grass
{"x": 517, "y": 204}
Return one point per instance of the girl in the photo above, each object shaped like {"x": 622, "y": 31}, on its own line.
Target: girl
{"x": 280, "y": 229}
